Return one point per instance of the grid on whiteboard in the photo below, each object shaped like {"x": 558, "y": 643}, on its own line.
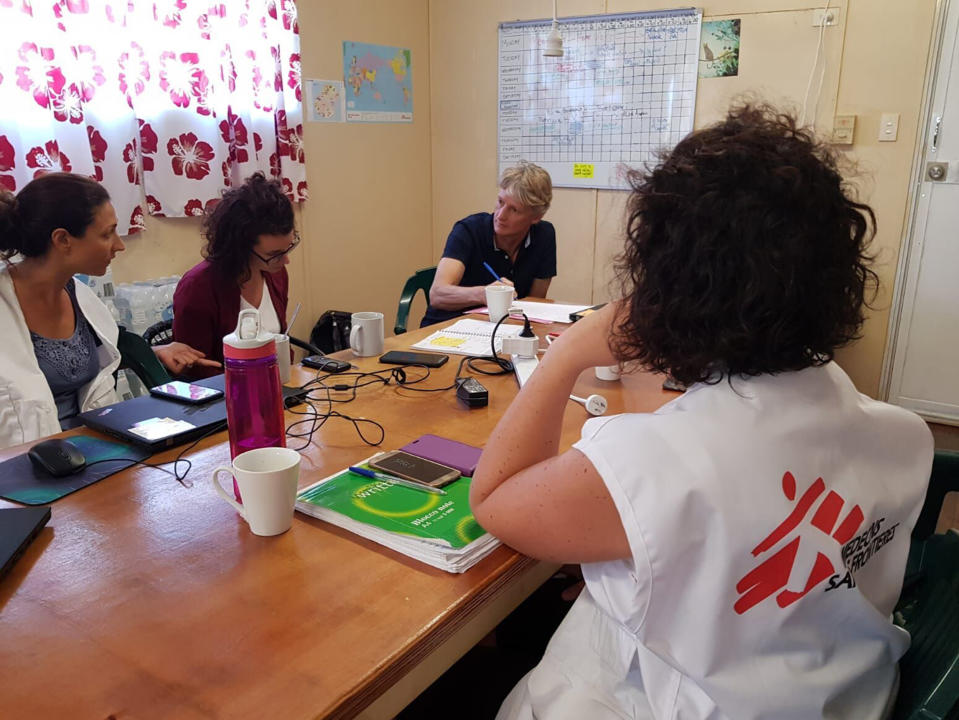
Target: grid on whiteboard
{"x": 624, "y": 90}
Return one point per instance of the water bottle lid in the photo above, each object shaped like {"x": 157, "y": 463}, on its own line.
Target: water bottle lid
{"x": 249, "y": 341}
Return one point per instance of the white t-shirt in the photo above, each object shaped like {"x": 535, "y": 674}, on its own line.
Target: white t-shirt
{"x": 769, "y": 524}
{"x": 269, "y": 320}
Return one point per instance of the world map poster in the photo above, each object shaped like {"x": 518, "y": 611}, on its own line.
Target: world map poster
{"x": 379, "y": 83}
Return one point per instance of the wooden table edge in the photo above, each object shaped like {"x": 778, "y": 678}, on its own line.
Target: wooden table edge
{"x": 379, "y": 681}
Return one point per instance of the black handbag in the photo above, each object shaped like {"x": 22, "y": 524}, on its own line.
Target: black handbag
{"x": 332, "y": 331}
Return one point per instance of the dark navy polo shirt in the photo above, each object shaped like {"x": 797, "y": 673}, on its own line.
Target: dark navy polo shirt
{"x": 471, "y": 242}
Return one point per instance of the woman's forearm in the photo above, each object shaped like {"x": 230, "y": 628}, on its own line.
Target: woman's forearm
{"x": 529, "y": 431}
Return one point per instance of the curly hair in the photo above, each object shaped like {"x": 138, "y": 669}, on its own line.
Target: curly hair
{"x": 53, "y": 200}
{"x": 745, "y": 254}
{"x": 231, "y": 228}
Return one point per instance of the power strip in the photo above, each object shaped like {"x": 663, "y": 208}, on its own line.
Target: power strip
{"x": 523, "y": 367}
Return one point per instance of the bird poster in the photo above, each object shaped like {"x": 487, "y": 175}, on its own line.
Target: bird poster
{"x": 719, "y": 48}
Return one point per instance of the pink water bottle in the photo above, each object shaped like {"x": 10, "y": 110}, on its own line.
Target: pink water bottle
{"x": 254, "y": 401}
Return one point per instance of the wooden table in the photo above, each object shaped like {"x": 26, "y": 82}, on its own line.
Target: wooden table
{"x": 147, "y": 599}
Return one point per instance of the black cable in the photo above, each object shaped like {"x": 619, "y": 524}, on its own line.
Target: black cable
{"x": 181, "y": 478}
{"x": 315, "y": 418}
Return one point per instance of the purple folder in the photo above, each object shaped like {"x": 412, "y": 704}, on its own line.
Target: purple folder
{"x": 447, "y": 452}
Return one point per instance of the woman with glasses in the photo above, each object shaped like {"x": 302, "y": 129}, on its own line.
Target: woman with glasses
{"x": 59, "y": 341}
{"x": 249, "y": 236}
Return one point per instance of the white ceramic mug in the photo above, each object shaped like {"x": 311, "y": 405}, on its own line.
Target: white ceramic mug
{"x": 498, "y": 301}
{"x": 267, "y": 478}
{"x": 283, "y": 356}
{"x": 608, "y": 372}
{"x": 366, "y": 333}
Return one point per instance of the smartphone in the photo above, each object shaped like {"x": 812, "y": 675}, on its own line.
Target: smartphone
{"x": 186, "y": 392}
{"x": 326, "y": 364}
{"x": 457, "y": 455}
{"x": 403, "y": 357}
{"x": 417, "y": 469}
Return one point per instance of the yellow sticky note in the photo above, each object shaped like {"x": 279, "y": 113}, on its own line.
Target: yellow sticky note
{"x": 443, "y": 341}
{"x": 582, "y": 170}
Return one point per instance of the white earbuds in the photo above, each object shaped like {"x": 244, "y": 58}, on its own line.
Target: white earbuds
{"x": 594, "y": 404}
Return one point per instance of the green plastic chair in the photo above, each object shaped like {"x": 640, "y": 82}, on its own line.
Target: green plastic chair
{"x": 929, "y": 608}
{"x": 137, "y": 355}
{"x": 420, "y": 280}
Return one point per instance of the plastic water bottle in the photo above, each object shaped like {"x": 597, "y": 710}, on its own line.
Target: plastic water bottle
{"x": 254, "y": 401}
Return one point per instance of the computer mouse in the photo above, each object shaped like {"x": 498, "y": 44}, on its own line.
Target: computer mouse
{"x": 57, "y": 457}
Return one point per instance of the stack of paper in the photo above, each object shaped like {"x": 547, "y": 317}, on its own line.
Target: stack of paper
{"x": 539, "y": 311}
{"x": 438, "y": 530}
{"x": 468, "y": 337}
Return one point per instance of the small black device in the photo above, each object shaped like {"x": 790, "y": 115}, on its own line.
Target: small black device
{"x": 411, "y": 467}
{"x": 326, "y": 364}
{"x": 403, "y": 357}
{"x": 580, "y": 314}
{"x": 472, "y": 392}
{"x": 186, "y": 392}
{"x": 57, "y": 457}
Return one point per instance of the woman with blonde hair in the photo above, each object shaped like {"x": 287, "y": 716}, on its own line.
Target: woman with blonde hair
{"x": 513, "y": 241}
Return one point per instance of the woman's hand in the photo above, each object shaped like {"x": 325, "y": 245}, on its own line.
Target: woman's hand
{"x": 177, "y": 357}
{"x": 585, "y": 343}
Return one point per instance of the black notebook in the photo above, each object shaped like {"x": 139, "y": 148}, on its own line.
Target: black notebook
{"x": 18, "y": 528}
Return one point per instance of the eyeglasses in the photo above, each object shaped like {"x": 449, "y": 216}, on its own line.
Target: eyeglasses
{"x": 279, "y": 256}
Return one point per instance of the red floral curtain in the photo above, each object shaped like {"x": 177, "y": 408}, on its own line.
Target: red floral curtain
{"x": 165, "y": 102}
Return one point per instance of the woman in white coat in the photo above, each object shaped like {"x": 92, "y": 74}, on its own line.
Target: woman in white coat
{"x": 59, "y": 341}
{"x": 743, "y": 547}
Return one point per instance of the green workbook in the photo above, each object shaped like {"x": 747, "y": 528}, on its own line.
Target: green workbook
{"x": 443, "y": 519}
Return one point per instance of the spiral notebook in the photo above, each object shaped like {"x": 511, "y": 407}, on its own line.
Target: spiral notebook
{"x": 468, "y": 337}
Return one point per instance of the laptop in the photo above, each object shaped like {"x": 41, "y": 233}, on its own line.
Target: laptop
{"x": 157, "y": 423}
{"x": 18, "y": 528}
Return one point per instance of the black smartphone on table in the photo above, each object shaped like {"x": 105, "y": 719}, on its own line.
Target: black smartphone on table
{"x": 410, "y": 467}
{"x": 186, "y": 392}
{"x": 326, "y": 364}
{"x": 405, "y": 357}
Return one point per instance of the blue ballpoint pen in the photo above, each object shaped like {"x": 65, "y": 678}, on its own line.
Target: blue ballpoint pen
{"x": 492, "y": 272}
{"x": 393, "y": 480}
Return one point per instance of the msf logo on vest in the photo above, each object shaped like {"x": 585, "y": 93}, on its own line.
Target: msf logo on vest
{"x": 771, "y": 576}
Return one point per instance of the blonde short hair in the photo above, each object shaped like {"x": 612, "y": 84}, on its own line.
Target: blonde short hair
{"x": 529, "y": 184}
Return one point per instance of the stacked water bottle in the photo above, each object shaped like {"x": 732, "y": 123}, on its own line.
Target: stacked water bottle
{"x": 136, "y": 306}
{"x": 142, "y": 304}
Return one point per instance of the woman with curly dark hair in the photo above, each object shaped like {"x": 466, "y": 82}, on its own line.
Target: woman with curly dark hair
{"x": 249, "y": 236}
{"x": 743, "y": 547}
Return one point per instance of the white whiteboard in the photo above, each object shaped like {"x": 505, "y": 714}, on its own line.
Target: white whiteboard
{"x": 624, "y": 89}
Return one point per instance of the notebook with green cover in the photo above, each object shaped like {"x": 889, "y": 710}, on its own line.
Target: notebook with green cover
{"x": 441, "y": 519}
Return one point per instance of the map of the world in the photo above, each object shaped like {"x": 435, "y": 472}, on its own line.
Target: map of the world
{"x": 379, "y": 83}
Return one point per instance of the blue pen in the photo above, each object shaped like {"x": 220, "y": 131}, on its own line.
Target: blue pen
{"x": 393, "y": 480}
{"x": 492, "y": 272}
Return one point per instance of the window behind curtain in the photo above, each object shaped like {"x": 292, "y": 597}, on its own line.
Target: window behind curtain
{"x": 165, "y": 103}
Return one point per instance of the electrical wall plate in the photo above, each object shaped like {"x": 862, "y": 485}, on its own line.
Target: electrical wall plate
{"x": 888, "y": 127}
{"x": 843, "y": 130}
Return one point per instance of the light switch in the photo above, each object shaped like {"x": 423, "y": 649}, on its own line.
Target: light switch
{"x": 843, "y": 129}
{"x": 889, "y": 127}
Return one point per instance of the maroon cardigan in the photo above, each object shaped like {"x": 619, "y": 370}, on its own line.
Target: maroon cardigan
{"x": 206, "y": 306}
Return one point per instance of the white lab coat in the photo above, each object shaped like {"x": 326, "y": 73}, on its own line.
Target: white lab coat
{"x": 27, "y": 409}
{"x": 749, "y": 595}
